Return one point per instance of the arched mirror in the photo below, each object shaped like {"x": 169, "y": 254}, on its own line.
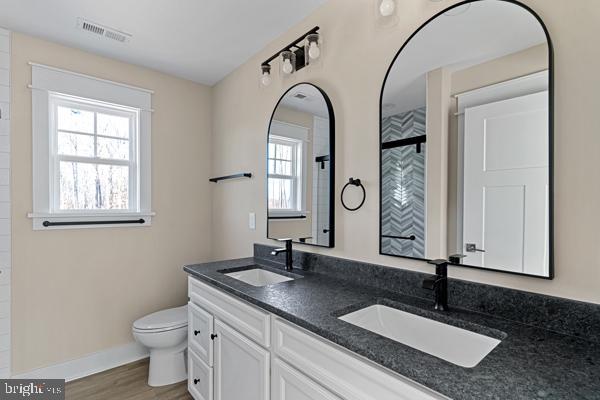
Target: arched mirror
{"x": 466, "y": 141}
{"x": 300, "y": 167}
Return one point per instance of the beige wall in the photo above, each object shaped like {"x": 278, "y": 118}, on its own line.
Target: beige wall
{"x": 436, "y": 207}
{"x": 356, "y": 56}
{"x": 521, "y": 63}
{"x": 77, "y": 291}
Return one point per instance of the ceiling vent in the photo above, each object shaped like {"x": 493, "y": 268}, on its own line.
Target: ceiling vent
{"x": 102, "y": 30}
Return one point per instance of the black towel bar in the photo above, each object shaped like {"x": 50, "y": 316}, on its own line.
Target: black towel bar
{"x": 411, "y": 237}
{"x": 234, "y": 176}
{"x": 67, "y": 223}
{"x": 415, "y": 140}
{"x": 289, "y": 217}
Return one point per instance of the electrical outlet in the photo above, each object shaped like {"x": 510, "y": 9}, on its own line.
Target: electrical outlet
{"x": 252, "y": 221}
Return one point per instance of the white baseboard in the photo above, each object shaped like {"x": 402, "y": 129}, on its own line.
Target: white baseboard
{"x": 89, "y": 364}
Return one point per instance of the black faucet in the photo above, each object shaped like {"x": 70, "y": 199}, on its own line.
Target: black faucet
{"x": 439, "y": 284}
{"x": 288, "y": 253}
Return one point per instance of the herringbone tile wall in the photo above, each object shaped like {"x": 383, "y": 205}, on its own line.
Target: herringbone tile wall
{"x": 403, "y": 185}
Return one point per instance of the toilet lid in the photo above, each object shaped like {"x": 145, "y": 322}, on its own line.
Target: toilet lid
{"x": 170, "y": 318}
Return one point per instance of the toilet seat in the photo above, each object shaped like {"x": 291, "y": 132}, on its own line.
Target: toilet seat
{"x": 162, "y": 321}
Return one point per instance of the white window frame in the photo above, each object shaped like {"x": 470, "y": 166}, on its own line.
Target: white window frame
{"x": 295, "y": 176}
{"x": 298, "y": 135}
{"x": 132, "y": 114}
{"x": 52, "y": 86}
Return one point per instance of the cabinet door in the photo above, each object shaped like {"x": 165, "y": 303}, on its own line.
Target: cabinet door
{"x": 241, "y": 367}
{"x": 200, "y": 329}
{"x": 289, "y": 384}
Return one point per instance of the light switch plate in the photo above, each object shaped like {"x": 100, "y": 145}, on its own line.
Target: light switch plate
{"x": 252, "y": 221}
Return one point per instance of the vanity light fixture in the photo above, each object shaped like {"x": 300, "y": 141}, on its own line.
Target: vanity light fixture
{"x": 288, "y": 62}
{"x": 313, "y": 48}
{"x": 265, "y": 74}
{"x": 294, "y": 56}
{"x": 387, "y": 7}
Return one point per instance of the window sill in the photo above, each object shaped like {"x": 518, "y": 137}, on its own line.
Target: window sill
{"x": 86, "y": 220}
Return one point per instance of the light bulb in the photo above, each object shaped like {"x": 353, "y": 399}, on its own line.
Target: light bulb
{"x": 386, "y": 8}
{"x": 287, "y": 66}
{"x": 265, "y": 79}
{"x": 314, "y": 51}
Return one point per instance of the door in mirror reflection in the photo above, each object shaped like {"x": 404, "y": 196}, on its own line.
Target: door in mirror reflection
{"x": 466, "y": 141}
{"x": 300, "y": 164}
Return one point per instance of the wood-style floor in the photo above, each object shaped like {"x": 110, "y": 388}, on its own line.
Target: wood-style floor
{"x": 128, "y": 382}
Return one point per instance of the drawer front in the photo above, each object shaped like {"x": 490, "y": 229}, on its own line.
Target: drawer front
{"x": 289, "y": 384}
{"x": 343, "y": 373}
{"x": 247, "y": 319}
{"x": 200, "y": 378}
{"x": 200, "y": 329}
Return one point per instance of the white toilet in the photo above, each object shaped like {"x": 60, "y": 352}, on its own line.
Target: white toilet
{"x": 165, "y": 334}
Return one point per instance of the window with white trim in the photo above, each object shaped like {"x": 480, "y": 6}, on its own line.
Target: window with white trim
{"x": 285, "y": 175}
{"x": 91, "y": 151}
{"x": 94, "y": 155}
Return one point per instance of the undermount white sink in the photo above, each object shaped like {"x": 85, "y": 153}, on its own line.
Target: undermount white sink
{"x": 259, "y": 277}
{"x": 456, "y": 345}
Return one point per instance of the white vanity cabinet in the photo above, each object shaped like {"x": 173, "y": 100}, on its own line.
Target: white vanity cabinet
{"x": 348, "y": 375}
{"x": 238, "y": 351}
{"x": 289, "y": 384}
{"x": 228, "y": 340}
{"x": 241, "y": 366}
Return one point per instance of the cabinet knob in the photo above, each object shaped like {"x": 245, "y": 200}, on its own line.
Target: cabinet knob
{"x": 213, "y": 336}
{"x": 196, "y": 381}
{"x": 196, "y": 333}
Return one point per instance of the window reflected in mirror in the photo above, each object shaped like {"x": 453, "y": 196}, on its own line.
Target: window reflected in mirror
{"x": 300, "y": 168}
{"x": 285, "y": 175}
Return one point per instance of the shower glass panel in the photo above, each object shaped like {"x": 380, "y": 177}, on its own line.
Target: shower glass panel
{"x": 403, "y": 184}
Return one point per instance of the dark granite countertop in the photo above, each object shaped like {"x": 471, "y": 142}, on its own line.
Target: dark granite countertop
{"x": 529, "y": 363}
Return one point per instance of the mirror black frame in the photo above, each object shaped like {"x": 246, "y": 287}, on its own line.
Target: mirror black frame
{"x": 550, "y": 142}
{"x": 331, "y": 165}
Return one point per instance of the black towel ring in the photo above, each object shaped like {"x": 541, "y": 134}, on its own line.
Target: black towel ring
{"x": 354, "y": 182}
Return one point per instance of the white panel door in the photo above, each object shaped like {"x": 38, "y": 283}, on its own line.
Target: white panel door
{"x": 506, "y": 184}
{"x": 289, "y": 384}
{"x": 241, "y": 367}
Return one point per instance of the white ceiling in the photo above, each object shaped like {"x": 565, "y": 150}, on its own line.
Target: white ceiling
{"x": 469, "y": 35}
{"x": 313, "y": 103}
{"x": 200, "y": 40}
